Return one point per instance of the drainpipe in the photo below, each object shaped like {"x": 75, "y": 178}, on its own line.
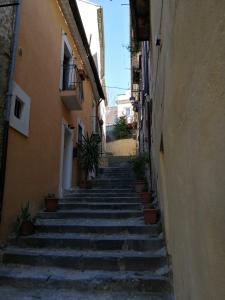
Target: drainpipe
{"x": 8, "y": 101}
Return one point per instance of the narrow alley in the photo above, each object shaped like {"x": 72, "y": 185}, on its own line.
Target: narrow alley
{"x": 112, "y": 149}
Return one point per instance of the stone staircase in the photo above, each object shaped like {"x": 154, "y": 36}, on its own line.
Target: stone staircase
{"x": 96, "y": 246}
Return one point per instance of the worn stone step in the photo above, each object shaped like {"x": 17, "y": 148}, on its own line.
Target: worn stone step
{"x": 112, "y": 183}
{"x": 101, "y": 190}
{"x": 77, "y": 226}
{"x": 15, "y": 293}
{"x": 87, "y": 260}
{"x": 85, "y": 213}
{"x": 105, "y": 198}
{"x": 91, "y": 241}
{"x": 103, "y": 194}
{"x": 97, "y": 205}
{"x": 22, "y": 276}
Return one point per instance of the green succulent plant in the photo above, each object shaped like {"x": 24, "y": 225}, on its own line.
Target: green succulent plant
{"x": 138, "y": 164}
{"x": 24, "y": 216}
{"x": 88, "y": 153}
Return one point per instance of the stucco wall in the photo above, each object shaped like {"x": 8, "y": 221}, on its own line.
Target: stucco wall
{"x": 188, "y": 111}
{"x": 124, "y": 147}
{"x": 33, "y": 163}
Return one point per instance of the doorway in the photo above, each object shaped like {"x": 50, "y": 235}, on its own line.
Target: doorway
{"x": 66, "y": 158}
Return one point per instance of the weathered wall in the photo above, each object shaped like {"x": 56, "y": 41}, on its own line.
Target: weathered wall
{"x": 188, "y": 111}
{"x": 124, "y": 147}
{"x": 33, "y": 163}
{"x": 6, "y": 32}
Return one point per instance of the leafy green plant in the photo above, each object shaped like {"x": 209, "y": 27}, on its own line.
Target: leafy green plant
{"x": 24, "y": 216}
{"x": 88, "y": 154}
{"x": 121, "y": 129}
{"x": 138, "y": 164}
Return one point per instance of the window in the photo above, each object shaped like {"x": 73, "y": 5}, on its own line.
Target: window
{"x": 68, "y": 70}
{"x": 80, "y": 134}
{"x": 67, "y": 65}
{"x": 127, "y": 111}
{"x": 20, "y": 110}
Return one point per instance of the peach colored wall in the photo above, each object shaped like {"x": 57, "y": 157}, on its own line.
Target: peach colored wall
{"x": 33, "y": 163}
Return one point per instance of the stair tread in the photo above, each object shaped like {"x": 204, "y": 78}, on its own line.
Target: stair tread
{"x": 100, "y": 203}
{"x": 94, "y": 236}
{"x": 95, "y": 222}
{"x": 96, "y": 211}
{"x": 119, "y": 254}
{"x": 21, "y": 271}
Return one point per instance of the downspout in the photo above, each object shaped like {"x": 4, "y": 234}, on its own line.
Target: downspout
{"x": 8, "y": 101}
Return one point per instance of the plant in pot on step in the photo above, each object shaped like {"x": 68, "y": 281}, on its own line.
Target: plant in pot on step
{"x": 51, "y": 203}
{"x": 138, "y": 165}
{"x": 24, "y": 222}
{"x": 150, "y": 215}
{"x": 145, "y": 196}
{"x": 88, "y": 156}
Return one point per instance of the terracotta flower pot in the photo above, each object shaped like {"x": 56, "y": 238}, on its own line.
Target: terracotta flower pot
{"x": 26, "y": 228}
{"x": 51, "y": 204}
{"x": 150, "y": 216}
{"x": 145, "y": 198}
{"x": 139, "y": 186}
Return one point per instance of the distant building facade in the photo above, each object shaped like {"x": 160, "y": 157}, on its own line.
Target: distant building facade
{"x": 124, "y": 107}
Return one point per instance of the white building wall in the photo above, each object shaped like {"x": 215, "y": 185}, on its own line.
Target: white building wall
{"x": 89, "y": 16}
{"x": 124, "y": 105}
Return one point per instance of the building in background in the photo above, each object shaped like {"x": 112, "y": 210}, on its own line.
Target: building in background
{"x": 92, "y": 18}
{"x": 124, "y": 107}
{"x": 54, "y": 84}
{"x": 111, "y": 119}
{"x": 178, "y": 64}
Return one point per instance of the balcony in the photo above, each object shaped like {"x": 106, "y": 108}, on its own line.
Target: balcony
{"x": 140, "y": 13}
{"x": 72, "y": 88}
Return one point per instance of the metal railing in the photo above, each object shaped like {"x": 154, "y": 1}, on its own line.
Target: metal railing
{"x": 71, "y": 79}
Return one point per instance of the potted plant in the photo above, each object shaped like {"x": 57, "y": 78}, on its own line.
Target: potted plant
{"x": 145, "y": 196}
{"x": 88, "y": 156}
{"x": 138, "y": 165}
{"x": 24, "y": 222}
{"x": 51, "y": 203}
{"x": 150, "y": 215}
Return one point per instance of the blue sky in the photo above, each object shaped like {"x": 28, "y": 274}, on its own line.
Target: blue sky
{"x": 117, "y": 57}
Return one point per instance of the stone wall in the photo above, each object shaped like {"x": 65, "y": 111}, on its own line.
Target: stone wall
{"x": 188, "y": 94}
{"x": 6, "y": 31}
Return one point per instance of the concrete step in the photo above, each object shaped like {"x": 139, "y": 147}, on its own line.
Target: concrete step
{"x": 99, "y": 226}
{"x": 97, "y": 205}
{"x": 90, "y": 241}
{"x": 22, "y": 276}
{"x": 87, "y": 260}
{"x": 85, "y": 213}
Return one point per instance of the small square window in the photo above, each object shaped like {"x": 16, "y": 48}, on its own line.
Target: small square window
{"x": 18, "y": 108}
